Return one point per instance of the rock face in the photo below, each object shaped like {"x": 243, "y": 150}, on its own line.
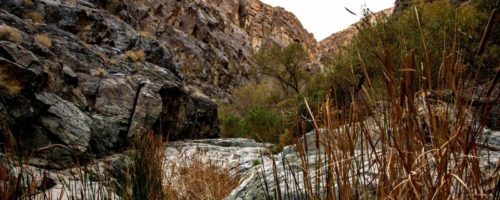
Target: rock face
{"x": 333, "y": 43}
{"x": 91, "y": 86}
{"x": 213, "y": 39}
{"x": 85, "y": 77}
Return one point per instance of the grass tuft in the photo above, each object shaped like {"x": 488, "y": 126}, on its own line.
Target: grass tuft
{"x": 136, "y": 56}
{"x": 34, "y": 16}
{"x": 44, "y": 40}
{"x": 199, "y": 179}
{"x": 10, "y": 33}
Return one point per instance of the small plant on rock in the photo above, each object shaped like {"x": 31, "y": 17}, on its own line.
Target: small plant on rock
{"x": 44, "y": 40}
{"x": 10, "y": 33}
{"x": 34, "y": 16}
{"x": 136, "y": 56}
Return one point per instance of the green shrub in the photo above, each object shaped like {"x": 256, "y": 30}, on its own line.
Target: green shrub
{"x": 35, "y": 16}
{"x": 285, "y": 65}
{"x": 263, "y": 125}
{"x": 230, "y": 126}
{"x": 441, "y": 23}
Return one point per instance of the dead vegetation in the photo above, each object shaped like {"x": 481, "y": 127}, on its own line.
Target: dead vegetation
{"x": 10, "y": 33}
{"x": 44, "y": 40}
{"x": 196, "y": 178}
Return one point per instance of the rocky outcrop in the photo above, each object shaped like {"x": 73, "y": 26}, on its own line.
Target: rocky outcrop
{"x": 261, "y": 174}
{"x": 81, "y": 82}
{"x": 334, "y": 43}
{"x": 214, "y": 40}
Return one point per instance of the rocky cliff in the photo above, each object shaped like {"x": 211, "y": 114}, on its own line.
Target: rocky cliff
{"x": 85, "y": 77}
{"x": 79, "y": 81}
{"x": 333, "y": 43}
{"x": 214, "y": 40}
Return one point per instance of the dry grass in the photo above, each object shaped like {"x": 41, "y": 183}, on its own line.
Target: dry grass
{"x": 197, "y": 179}
{"x": 34, "y": 16}
{"x": 147, "y": 168}
{"x": 101, "y": 72}
{"x": 10, "y": 33}
{"x": 416, "y": 145}
{"x": 9, "y": 84}
{"x": 147, "y": 35}
{"x": 28, "y": 3}
{"x": 136, "y": 56}
{"x": 44, "y": 40}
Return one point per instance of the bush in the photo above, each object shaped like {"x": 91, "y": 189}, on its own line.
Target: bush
{"x": 230, "y": 126}
{"x": 199, "y": 179}
{"x": 9, "y": 83}
{"x": 44, "y": 40}
{"x": 10, "y": 33}
{"x": 441, "y": 23}
{"x": 263, "y": 125}
{"x": 34, "y": 16}
{"x": 263, "y": 94}
{"x": 147, "y": 35}
{"x": 285, "y": 65}
{"x": 136, "y": 56}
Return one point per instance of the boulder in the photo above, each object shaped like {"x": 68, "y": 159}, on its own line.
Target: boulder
{"x": 99, "y": 84}
{"x": 66, "y": 121}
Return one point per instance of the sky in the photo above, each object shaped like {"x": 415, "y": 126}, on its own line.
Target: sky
{"x": 324, "y": 17}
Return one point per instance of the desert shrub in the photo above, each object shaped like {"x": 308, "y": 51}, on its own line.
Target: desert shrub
{"x": 285, "y": 65}
{"x": 255, "y": 100}
{"x": 8, "y": 83}
{"x": 263, "y": 125}
{"x": 9, "y": 33}
{"x": 280, "y": 78}
{"x": 230, "y": 126}
{"x": 198, "y": 179}
{"x": 101, "y": 72}
{"x": 427, "y": 33}
{"x": 147, "y": 34}
{"x": 44, "y": 40}
{"x": 411, "y": 138}
{"x": 136, "y": 56}
{"x": 263, "y": 94}
{"x": 34, "y": 16}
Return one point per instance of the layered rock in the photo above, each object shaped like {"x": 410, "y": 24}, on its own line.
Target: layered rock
{"x": 334, "y": 43}
{"x": 214, "y": 40}
{"x": 91, "y": 85}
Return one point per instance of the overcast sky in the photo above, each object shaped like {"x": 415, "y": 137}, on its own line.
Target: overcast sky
{"x": 324, "y": 17}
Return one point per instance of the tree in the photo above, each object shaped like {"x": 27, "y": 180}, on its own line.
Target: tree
{"x": 286, "y": 65}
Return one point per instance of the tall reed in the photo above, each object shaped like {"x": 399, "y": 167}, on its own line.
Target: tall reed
{"x": 422, "y": 141}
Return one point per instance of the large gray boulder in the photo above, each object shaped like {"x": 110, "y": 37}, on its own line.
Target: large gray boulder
{"x": 93, "y": 88}
{"x": 66, "y": 121}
